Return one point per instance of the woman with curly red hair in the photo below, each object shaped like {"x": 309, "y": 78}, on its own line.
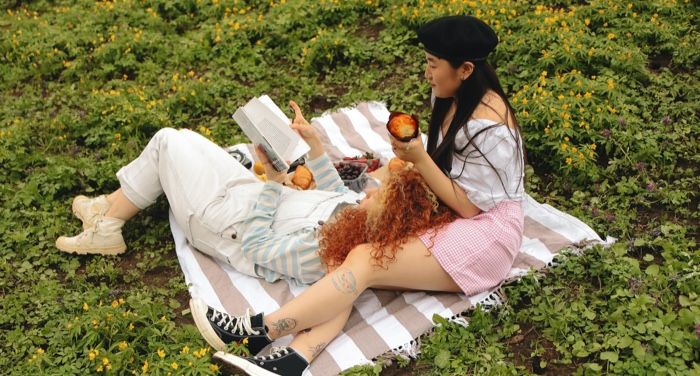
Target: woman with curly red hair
{"x": 402, "y": 208}
{"x": 474, "y": 164}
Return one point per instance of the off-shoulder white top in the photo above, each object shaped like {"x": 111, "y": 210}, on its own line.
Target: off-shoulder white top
{"x": 478, "y": 179}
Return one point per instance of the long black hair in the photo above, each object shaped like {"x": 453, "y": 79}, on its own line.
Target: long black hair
{"x": 469, "y": 95}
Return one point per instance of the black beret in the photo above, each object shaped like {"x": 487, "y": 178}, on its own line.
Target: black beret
{"x": 458, "y": 38}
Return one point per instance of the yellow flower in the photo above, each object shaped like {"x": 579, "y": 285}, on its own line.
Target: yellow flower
{"x": 86, "y": 307}
{"x": 123, "y": 345}
{"x": 611, "y": 84}
{"x": 131, "y": 326}
{"x": 568, "y": 161}
{"x": 144, "y": 368}
{"x": 161, "y": 353}
{"x": 200, "y": 353}
{"x": 174, "y": 365}
{"x": 92, "y": 355}
{"x": 563, "y": 146}
{"x": 611, "y": 36}
{"x": 245, "y": 341}
{"x": 39, "y": 351}
{"x": 587, "y": 21}
{"x": 593, "y": 146}
{"x": 213, "y": 367}
{"x": 105, "y": 361}
{"x": 115, "y": 303}
{"x": 185, "y": 350}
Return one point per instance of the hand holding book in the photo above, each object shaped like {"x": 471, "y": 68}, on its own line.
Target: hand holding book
{"x": 266, "y": 125}
{"x": 271, "y": 173}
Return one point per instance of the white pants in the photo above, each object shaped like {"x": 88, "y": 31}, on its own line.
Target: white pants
{"x": 195, "y": 174}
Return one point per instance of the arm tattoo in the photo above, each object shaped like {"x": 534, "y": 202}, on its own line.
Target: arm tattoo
{"x": 283, "y": 325}
{"x": 315, "y": 350}
{"x": 344, "y": 281}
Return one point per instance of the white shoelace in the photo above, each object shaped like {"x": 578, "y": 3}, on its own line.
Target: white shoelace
{"x": 238, "y": 325}
{"x": 89, "y": 233}
{"x": 277, "y": 352}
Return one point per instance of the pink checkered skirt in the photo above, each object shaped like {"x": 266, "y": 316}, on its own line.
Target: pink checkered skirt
{"x": 478, "y": 252}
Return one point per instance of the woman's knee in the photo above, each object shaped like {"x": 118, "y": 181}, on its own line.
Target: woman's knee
{"x": 359, "y": 261}
{"x": 164, "y": 135}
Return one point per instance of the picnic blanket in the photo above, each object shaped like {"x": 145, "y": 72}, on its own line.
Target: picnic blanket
{"x": 382, "y": 322}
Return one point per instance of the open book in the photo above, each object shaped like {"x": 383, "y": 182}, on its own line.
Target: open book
{"x": 266, "y": 125}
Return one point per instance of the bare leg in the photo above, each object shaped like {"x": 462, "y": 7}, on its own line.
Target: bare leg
{"x": 414, "y": 268}
{"x": 120, "y": 207}
{"x": 311, "y": 342}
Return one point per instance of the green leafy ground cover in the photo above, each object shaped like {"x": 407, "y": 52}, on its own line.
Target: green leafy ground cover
{"x": 607, "y": 94}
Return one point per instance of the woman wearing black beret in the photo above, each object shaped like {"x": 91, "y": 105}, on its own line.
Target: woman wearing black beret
{"x": 474, "y": 164}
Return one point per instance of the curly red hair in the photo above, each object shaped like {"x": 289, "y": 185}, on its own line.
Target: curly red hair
{"x": 408, "y": 209}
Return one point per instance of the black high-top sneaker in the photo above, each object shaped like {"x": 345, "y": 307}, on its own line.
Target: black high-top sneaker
{"x": 282, "y": 361}
{"x": 219, "y": 328}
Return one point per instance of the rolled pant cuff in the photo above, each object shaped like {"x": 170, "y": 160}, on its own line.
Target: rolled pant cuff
{"x": 131, "y": 194}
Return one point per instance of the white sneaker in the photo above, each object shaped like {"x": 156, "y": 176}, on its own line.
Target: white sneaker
{"x": 103, "y": 238}
{"x": 88, "y": 209}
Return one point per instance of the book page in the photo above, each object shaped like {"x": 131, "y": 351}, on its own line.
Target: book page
{"x": 275, "y": 129}
{"x": 267, "y": 101}
{"x": 256, "y": 137}
{"x": 247, "y": 126}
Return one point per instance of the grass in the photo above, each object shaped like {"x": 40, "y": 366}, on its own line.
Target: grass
{"x": 606, "y": 93}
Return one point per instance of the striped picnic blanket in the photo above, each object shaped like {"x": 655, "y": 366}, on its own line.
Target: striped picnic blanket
{"x": 381, "y": 321}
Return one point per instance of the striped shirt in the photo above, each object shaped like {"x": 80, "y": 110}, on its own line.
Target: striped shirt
{"x": 293, "y": 255}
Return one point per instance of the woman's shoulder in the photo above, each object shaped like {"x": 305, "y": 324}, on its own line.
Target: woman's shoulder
{"x": 492, "y": 110}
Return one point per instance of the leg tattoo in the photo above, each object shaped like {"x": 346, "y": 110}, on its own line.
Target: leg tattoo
{"x": 283, "y": 325}
{"x": 344, "y": 281}
{"x": 315, "y": 350}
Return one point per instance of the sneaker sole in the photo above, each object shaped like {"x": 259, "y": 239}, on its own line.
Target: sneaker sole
{"x": 199, "y": 312}
{"x": 233, "y": 364}
{"x": 109, "y": 251}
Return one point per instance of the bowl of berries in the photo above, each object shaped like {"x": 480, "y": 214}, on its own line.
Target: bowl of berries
{"x": 353, "y": 174}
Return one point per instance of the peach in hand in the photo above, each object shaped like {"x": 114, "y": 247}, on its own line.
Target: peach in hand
{"x": 402, "y": 126}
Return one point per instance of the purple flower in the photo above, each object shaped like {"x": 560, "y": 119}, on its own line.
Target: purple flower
{"x": 594, "y": 211}
{"x": 610, "y": 217}
{"x": 640, "y": 166}
{"x": 666, "y": 120}
{"x": 635, "y": 284}
{"x": 606, "y": 133}
{"x": 621, "y": 120}
{"x": 651, "y": 186}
